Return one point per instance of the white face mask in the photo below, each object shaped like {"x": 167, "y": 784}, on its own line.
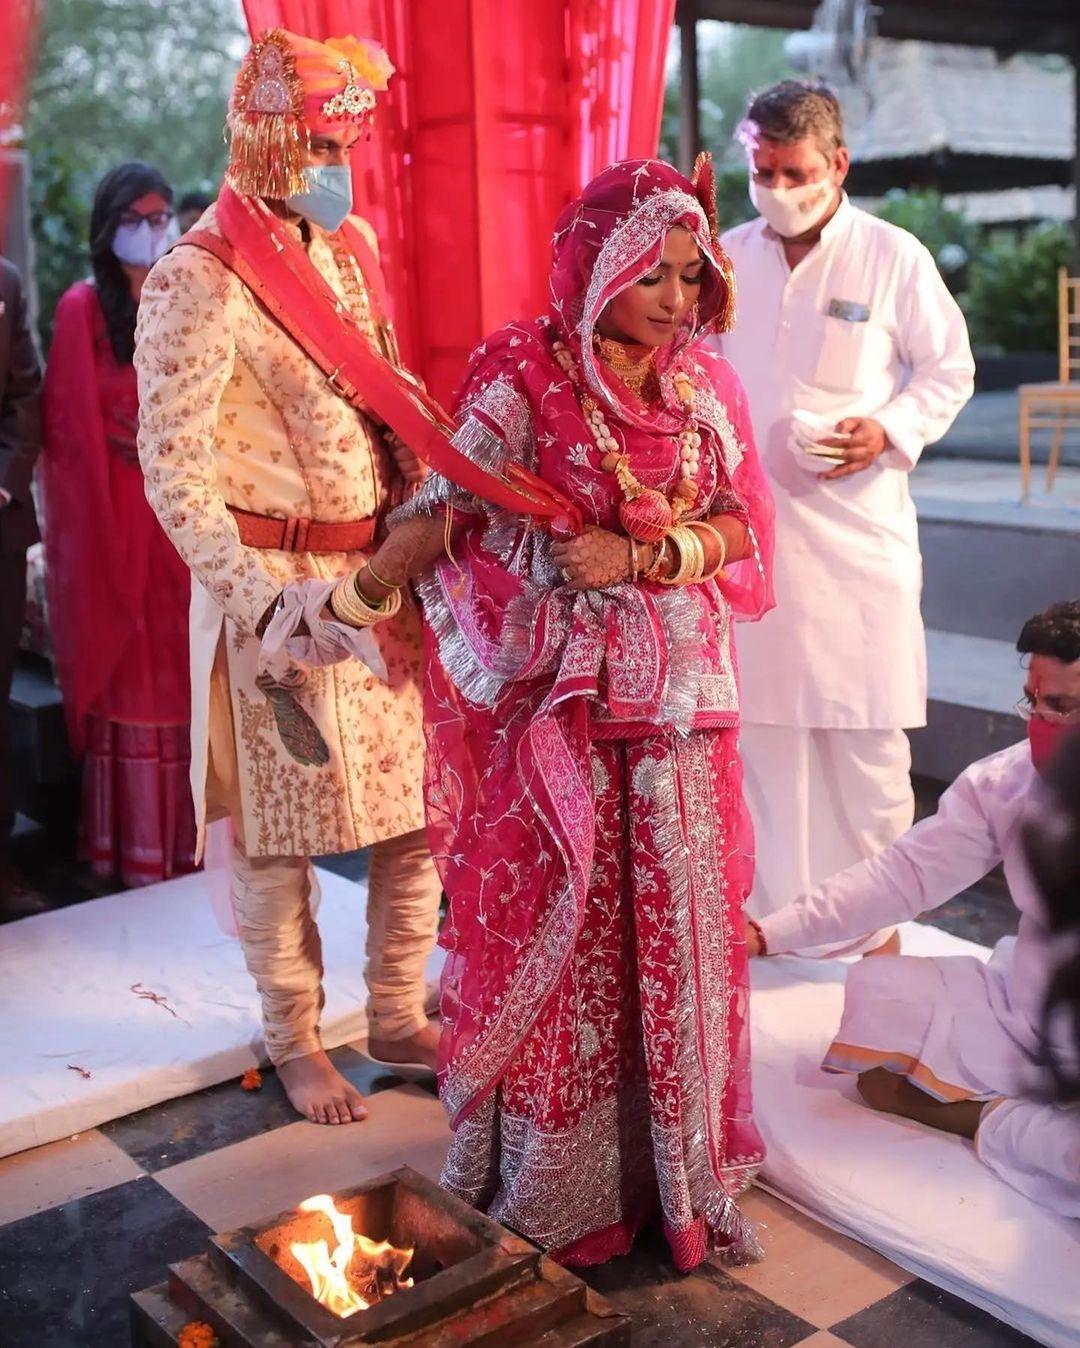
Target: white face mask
{"x": 791, "y": 211}
{"x": 141, "y": 245}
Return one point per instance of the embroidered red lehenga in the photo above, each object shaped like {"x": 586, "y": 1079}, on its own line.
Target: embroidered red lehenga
{"x": 584, "y": 785}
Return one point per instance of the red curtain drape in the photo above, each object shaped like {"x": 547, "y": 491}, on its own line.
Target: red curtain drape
{"x": 17, "y": 33}
{"x": 500, "y": 112}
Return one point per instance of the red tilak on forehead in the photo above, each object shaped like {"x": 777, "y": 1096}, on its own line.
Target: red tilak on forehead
{"x": 148, "y": 203}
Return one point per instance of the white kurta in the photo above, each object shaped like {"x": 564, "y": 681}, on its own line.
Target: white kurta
{"x": 956, "y": 1027}
{"x": 844, "y": 647}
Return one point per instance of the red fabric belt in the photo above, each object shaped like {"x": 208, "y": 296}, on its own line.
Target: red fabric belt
{"x": 298, "y": 535}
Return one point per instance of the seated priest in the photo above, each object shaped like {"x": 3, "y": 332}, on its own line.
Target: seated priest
{"x": 952, "y": 1042}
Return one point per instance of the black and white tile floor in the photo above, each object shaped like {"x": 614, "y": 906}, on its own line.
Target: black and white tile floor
{"x": 86, "y": 1221}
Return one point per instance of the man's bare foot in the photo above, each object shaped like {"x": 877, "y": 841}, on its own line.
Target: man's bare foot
{"x": 421, "y": 1047}
{"x": 891, "y": 946}
{"x": 317, "y": 1090}
{"x": 892, "y": 1094}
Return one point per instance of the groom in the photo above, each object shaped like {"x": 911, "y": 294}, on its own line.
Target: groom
{"x": 263, "y": 473}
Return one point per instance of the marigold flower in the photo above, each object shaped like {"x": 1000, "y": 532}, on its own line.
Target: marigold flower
{"x": 196, "y": 1334}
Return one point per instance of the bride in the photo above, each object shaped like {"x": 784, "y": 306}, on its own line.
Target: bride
{"x": 584, "y": 788}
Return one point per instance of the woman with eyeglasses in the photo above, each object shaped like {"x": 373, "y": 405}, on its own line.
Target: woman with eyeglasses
{"x": 956, "y": 1044}
{"x": 117, "y": 590}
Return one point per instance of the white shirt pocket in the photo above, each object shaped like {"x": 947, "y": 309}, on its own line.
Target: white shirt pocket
{"x": 851, "y": 354}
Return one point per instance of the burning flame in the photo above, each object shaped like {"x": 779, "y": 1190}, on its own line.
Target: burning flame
{"x": 378, "y": 1268}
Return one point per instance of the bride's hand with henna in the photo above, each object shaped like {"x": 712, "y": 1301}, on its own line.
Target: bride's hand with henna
{"x": 594, "y": 559}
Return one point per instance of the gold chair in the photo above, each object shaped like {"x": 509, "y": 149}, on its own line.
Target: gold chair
{"x": 1053, "y": 407}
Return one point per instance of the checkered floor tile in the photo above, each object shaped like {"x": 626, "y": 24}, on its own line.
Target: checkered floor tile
{"x": 86, "y": 1221}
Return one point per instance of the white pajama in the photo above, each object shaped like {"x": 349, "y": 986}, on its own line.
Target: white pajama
{"x": 1035, "y": 1147}
{"x": 275, "y": 898}
{"x": 822, "y": 800}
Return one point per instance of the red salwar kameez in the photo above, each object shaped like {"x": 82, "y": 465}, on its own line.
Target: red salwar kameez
{"x": 584, "y": 786}
{"x": 118, "y": 610}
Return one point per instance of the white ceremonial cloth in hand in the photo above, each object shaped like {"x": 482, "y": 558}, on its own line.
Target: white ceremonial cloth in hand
{"x": 327, "y": 641}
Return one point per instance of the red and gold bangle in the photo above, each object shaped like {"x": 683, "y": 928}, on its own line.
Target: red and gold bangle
{"x": 762, "y": 943}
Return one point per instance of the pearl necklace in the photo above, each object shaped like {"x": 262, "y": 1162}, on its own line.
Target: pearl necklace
{"x": 645, "y": 513}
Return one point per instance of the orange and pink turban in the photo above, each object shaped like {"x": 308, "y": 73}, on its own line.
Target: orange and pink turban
{"x": 289, "y": 88}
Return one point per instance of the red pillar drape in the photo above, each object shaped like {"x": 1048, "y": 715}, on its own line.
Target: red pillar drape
{"x": 500, "y": 112}
{"x": 20, "y": 22}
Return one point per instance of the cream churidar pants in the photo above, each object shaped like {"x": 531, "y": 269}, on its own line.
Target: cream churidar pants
{"x": 822, "y": 800}
{"x": 274, "y": 897}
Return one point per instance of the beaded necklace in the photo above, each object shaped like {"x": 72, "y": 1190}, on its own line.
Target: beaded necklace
{"x": 644, "y": 512}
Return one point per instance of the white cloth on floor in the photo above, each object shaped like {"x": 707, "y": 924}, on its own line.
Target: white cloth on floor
{"x": 863, "y": 327}
{"x": 822, "y": 800}
{"x": 958, "y": 1028}
{"x": 68, "y": 1001}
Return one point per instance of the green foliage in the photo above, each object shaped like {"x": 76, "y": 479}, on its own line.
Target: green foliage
{"x": 949, "y": 236}
{"x": 116, "y": 80}
{"x": 1012, "y": 298}
{"x": 734, "y": 61}
{"x": 60, "y": 220}
{"x": 733, "y": 204}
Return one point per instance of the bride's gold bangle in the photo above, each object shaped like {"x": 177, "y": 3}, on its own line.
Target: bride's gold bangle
{"x": 387, "y": 585}
{"x": 655, "y": 570}
{"x": 712, "y": 529}
{"x": 349, "y": 606}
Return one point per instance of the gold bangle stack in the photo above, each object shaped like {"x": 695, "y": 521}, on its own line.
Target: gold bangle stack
{"x": 712, "y": 529}
{"x": 691, "y": 554}
{"x": 349, "y": 606}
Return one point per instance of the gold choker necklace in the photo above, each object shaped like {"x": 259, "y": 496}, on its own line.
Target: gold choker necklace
{"x": 634, "y": 365}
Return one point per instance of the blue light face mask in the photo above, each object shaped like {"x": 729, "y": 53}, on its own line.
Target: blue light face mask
{"x": 328, "y": 199}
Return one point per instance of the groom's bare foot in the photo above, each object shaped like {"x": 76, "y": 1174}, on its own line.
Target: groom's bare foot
{"x": 421, "y": 1047}
{"x": 317, "y": 1090}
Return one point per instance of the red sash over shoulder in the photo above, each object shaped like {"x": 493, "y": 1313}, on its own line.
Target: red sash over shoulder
{"x": 283, "y": 278}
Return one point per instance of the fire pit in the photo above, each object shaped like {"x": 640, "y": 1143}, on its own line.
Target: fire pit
{"x": 392, "y": 1261}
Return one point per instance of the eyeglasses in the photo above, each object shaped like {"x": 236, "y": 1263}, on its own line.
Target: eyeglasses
{"x": 156, "y": 219}
{"x": 1026, "y": 708}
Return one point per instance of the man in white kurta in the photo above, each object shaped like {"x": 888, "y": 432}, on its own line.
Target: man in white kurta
{"x": 845, "y": 319}
{"x": 953, "y": 1042}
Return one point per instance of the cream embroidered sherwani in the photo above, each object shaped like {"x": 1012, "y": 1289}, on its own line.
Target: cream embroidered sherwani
{"x": 232, "y": 412}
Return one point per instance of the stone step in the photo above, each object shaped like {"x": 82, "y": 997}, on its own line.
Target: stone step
{"x": 974, "y": 683}
{"x": 587, "y": 1331}
{"x": 39, "y": 742}
{"x": 990, "y": 561}
{"x": 989, "y": 428}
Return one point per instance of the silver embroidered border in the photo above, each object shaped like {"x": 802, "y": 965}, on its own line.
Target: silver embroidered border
{"x": 689, "y": 1184}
